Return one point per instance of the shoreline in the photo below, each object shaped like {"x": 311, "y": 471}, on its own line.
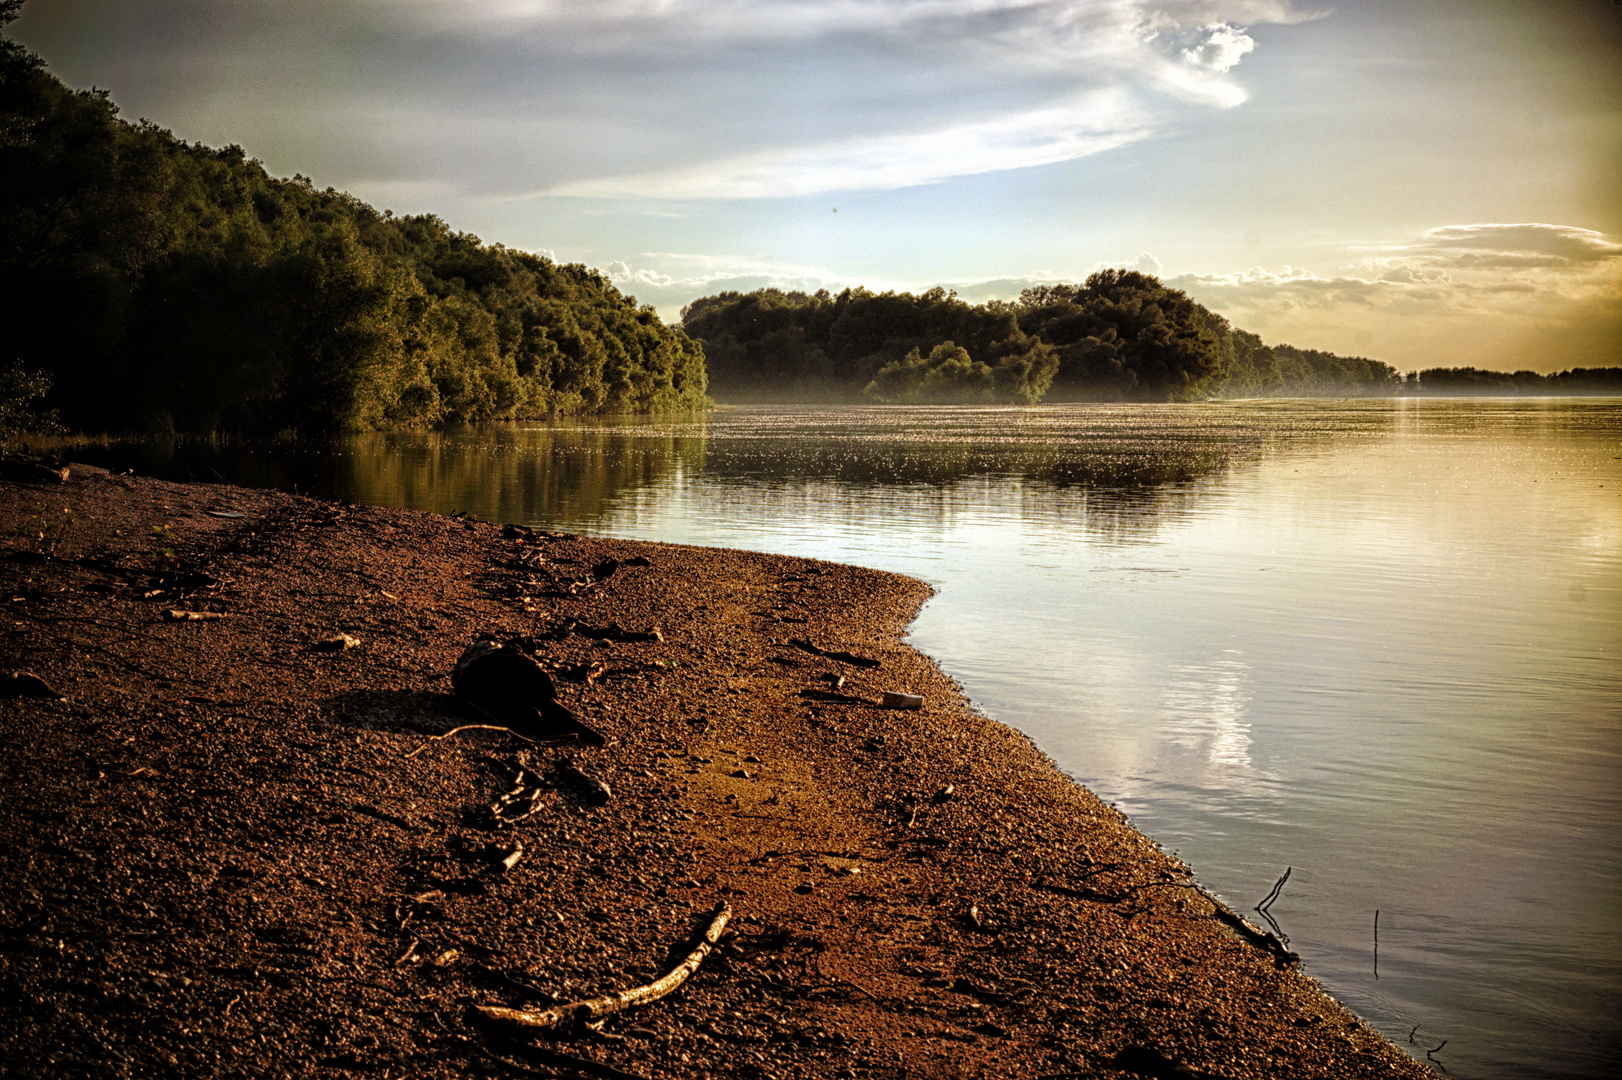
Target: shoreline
{"x": 237, "y": 852}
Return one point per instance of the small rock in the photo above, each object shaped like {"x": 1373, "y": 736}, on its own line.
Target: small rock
{"x": 336, "y": 643}
{"x": 894, "y": 699}
{"x": 177, "y": 615}
{"x": 742, "y": 774}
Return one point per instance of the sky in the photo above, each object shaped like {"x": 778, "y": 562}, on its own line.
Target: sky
{"x": 1425, "y": 182}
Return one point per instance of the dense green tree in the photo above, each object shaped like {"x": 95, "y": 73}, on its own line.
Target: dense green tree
{"x": 161, "y": 283}
{"x": 1118, "y": 336}
{"x": 1125, "y": 335}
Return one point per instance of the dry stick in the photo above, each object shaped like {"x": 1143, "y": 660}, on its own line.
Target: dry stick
{"x": 466, "y": 727}
{"x": 1278, "y": 887}
{"x": 608, "y": 1004}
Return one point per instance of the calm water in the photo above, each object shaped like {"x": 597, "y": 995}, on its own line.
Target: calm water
{"x": 1377, "y": 642}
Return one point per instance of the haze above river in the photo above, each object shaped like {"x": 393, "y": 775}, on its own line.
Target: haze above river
{"x": 1376, "y": 642}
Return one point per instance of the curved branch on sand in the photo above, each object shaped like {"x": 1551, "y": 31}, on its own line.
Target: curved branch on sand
{"x": 585, "y": 1012}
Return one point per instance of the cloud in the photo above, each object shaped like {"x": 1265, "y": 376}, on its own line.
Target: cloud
{"x": 1096, "y": 122}
{"x": 670, "y": 280}
{"x": 663, "y": 99}
{"x": 1504, "y": 247}
{"x": 1534, "y": 296}
{"x": 1148, "y": 264}
{"x": 865, "y": 94}
{"x": 1224, "y": 46}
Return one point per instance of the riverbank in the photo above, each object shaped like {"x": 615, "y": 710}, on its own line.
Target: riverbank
{"x": 235, "y": 849}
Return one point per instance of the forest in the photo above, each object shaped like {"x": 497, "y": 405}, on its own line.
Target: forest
{"x": 155, "y": 284}
{"x": 1119, "y": 336}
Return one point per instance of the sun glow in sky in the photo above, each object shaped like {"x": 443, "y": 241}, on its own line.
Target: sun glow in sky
{"x": 1427, "y": 182}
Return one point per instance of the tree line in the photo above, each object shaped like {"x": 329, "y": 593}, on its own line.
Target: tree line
{"x": 159, "y": 283}
{"x": 1119, "y": 336}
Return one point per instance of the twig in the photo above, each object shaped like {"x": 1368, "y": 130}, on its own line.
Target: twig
{"x": 1278, "y": 887}
{"x": 583, "y": 1012}
{"x": 467, "y": 727}
{"x": 1267, "y": 902}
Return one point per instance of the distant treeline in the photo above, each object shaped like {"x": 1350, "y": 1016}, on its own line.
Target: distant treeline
{"x": 1468, "y": 381}
{"x": 1120, "y": 336}
{"x": 161, "y": 284}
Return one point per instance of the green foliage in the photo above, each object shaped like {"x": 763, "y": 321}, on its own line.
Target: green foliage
{"x": 1255, "y": 370}
{"x": 162, "y": 283}
{"x": 19, "y": 389}
{"x": 771, "y": 344}
{"x": 1123, "y": 335}
{"x": 946, "y": 376}
{"x": 1118, "y": 336}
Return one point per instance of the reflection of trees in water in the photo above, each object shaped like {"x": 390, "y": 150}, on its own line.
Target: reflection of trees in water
{"x": 1112, "y": 471}
{"x": 531, "y": 474}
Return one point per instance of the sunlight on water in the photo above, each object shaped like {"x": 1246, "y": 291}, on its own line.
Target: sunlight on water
{"x": 1375, "y": 642}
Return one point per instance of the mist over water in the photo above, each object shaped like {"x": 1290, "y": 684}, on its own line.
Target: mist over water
{"x": 1376, "y": 642}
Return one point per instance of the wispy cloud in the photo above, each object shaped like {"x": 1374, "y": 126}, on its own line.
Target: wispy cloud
{"x": 1486, "y": 295}
{"x": 1098, "y": 121}
{"x": 675, "y": 99}
{"x": 885, "y": 94}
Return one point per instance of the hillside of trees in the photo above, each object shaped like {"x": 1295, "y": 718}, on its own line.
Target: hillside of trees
{"x": 160, "y": 284}
{"x": 1119, "y": 336}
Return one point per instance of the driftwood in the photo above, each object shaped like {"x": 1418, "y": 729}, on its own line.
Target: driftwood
{"x": 432, "y": 739}
{"x": 585, "y": 1012}
{"x": 520, "y": 802}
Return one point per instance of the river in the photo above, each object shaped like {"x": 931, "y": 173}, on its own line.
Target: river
{"x": 1375, "y": 643}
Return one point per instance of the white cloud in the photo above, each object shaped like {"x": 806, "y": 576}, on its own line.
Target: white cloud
{"x": 1095, "y": 122}
{"x": 672, "y": 99}
{"x": 1224, "y": 46}
{"x": 875, "y": 94}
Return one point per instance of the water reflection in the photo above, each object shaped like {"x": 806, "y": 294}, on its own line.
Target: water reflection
{"x": 1204, "y": 715}
{"x": 1116, "y": 472}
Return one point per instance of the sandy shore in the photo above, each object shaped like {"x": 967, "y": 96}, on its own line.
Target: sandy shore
{"x": 234, "y": 851}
